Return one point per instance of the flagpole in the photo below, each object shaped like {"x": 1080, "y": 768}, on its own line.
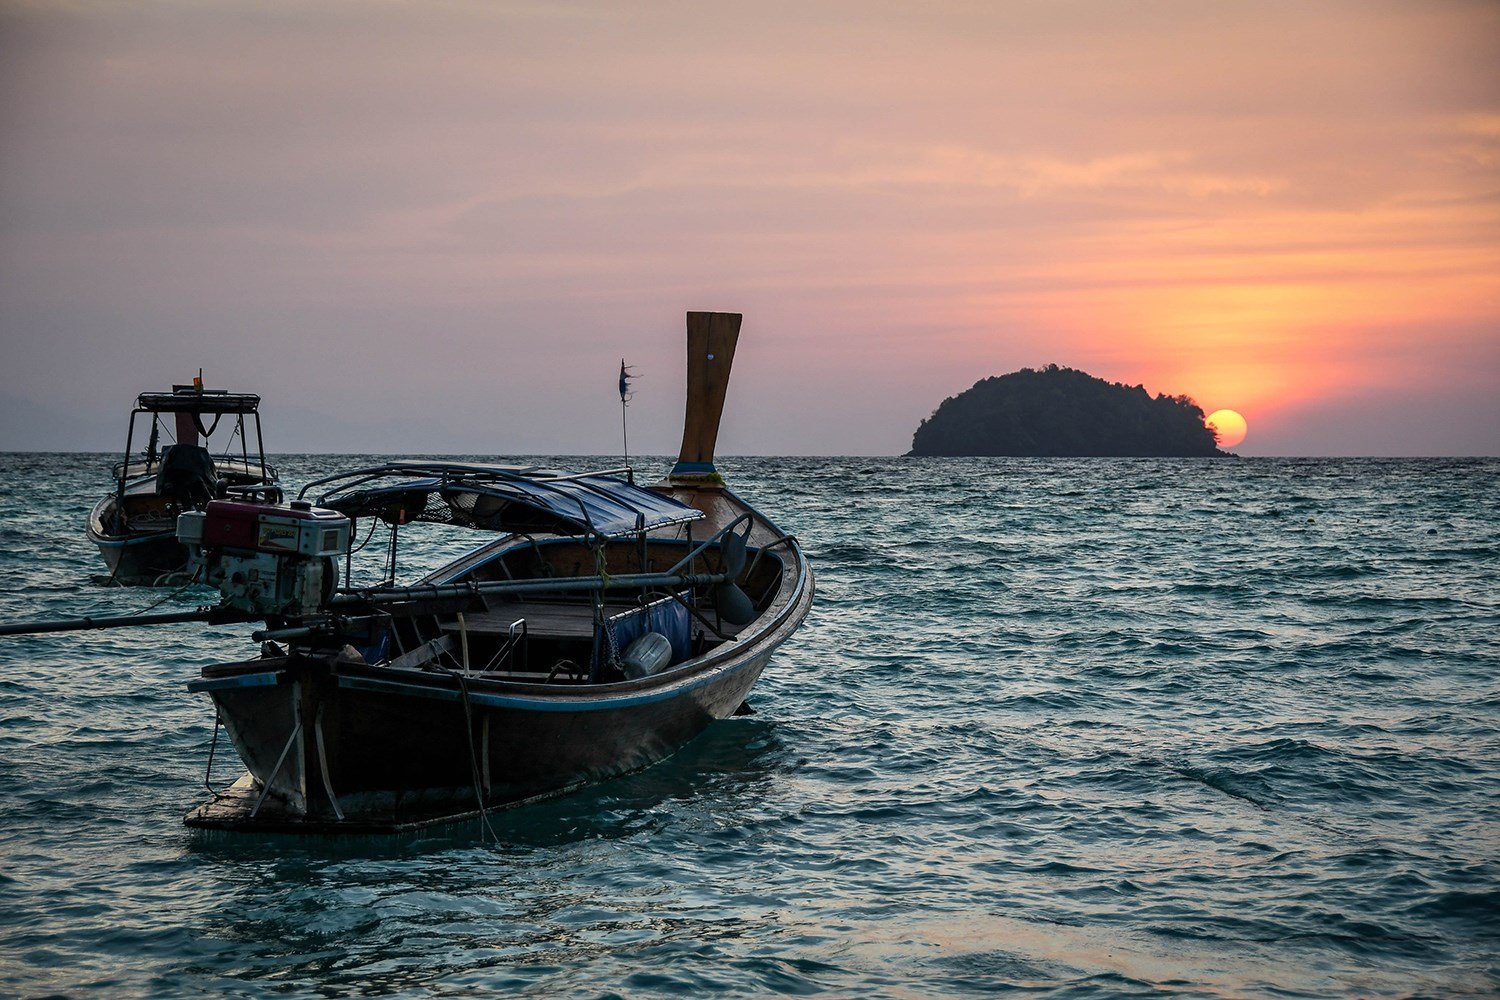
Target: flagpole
{"x": 624, "y": 399}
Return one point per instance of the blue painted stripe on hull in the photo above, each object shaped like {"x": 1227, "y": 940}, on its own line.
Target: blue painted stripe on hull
{"x": 543, "y": 704}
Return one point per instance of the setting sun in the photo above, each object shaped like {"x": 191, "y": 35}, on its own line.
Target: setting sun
{"x": 1228, "y": 425}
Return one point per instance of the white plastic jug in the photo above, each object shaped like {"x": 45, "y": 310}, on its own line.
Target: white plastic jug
{"x": 647, "y": 655}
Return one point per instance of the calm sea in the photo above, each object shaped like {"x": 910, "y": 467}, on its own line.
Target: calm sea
{"x": 1072, "y": 728}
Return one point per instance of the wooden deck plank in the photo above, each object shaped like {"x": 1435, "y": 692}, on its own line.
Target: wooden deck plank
{"x": 543, "y": 618}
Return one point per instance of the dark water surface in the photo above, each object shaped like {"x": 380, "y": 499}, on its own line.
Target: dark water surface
{"x": 1092, "y": 728}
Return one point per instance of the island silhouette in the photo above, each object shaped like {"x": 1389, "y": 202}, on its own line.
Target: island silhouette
{"x": 1065, "y": 413}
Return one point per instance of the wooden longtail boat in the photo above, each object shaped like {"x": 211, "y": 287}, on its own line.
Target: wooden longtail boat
{"x": 607, "y": 625}
{"x": 135, "y": 524}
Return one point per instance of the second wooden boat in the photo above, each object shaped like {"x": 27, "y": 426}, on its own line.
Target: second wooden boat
{"x": 135, "y": 524}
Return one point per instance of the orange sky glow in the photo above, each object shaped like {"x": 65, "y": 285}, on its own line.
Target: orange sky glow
{"x": 1287, "y": 209}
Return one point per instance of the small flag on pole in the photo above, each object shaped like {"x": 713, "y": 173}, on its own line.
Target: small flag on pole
{"x": 625, "y": 395}
{"x": 625, "y": 387}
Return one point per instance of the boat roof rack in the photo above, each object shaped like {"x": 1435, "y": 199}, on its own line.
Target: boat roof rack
{"x": 521, "y": 499}
{"x": 186, "y": 399}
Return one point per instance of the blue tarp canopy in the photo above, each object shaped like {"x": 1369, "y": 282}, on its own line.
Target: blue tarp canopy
{"x": 511, "y": 498}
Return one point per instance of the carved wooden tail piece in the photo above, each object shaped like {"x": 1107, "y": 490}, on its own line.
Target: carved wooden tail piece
{"x": 711, "y": 339}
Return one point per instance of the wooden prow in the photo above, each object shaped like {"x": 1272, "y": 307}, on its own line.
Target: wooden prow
{"x": 711, "y": 340}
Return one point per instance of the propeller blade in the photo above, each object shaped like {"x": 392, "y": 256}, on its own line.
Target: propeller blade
{"x": 735, "y": 606}
{"x": 732, "y": 551}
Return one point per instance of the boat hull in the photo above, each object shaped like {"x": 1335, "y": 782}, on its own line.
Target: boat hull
{"x": 141, "y": 549}
{"x": 141, "y": 559}
{"x": 336, "y": 747}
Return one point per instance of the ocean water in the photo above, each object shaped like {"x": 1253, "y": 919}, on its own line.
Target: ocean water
{"x": 1067, "y": 728}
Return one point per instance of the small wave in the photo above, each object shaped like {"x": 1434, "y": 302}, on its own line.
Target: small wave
{"x": 1482, "y": 906}
{"x": 1212, "y": 588}
{"x": 1241, "y": 786}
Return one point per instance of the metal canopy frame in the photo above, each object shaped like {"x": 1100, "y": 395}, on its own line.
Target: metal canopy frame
{"x": 186, "y": 399}
{"x": 190, "y": 399}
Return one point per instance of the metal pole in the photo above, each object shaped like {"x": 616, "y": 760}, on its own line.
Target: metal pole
{"x": 214, "y": 616}
{"x": 119, "y": 519}
{"x": 565, "y": 584}
{"x": 260, "y": 442}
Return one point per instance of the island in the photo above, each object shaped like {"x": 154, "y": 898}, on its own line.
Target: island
{"x": 1063, "y": 412}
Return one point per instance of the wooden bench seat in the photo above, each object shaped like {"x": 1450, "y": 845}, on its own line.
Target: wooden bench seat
{"x": 544, "y": 619}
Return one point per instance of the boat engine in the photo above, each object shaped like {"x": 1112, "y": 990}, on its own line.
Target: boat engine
{"x": 268, "y": 559}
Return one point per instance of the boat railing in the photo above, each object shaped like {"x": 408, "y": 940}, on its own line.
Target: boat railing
{"x": 137, "y": 470}
{"x": 245, "y": 404}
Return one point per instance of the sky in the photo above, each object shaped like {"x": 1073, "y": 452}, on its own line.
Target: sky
{"x": 437, "y": 227}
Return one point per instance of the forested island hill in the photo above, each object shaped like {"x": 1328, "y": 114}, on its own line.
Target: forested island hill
{"x": 1063, "y": 412}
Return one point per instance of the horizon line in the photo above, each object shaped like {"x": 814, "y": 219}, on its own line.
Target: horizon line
{"x": 668, "y": 458}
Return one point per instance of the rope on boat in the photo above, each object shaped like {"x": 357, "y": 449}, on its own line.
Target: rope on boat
{"x": 368, "y": 535}
{"x": 212, "y": 746}
{"x": 333, "y": 799}
{"x": 176, "y": 593}
{"x": 479, "y": 796}
{"x": 168, "y": 578}
{"x": 111, "y": 582}
{"x": 601, "y": 561}
{"x": 270, "y": 778}
{"x": 601, "y": 623}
